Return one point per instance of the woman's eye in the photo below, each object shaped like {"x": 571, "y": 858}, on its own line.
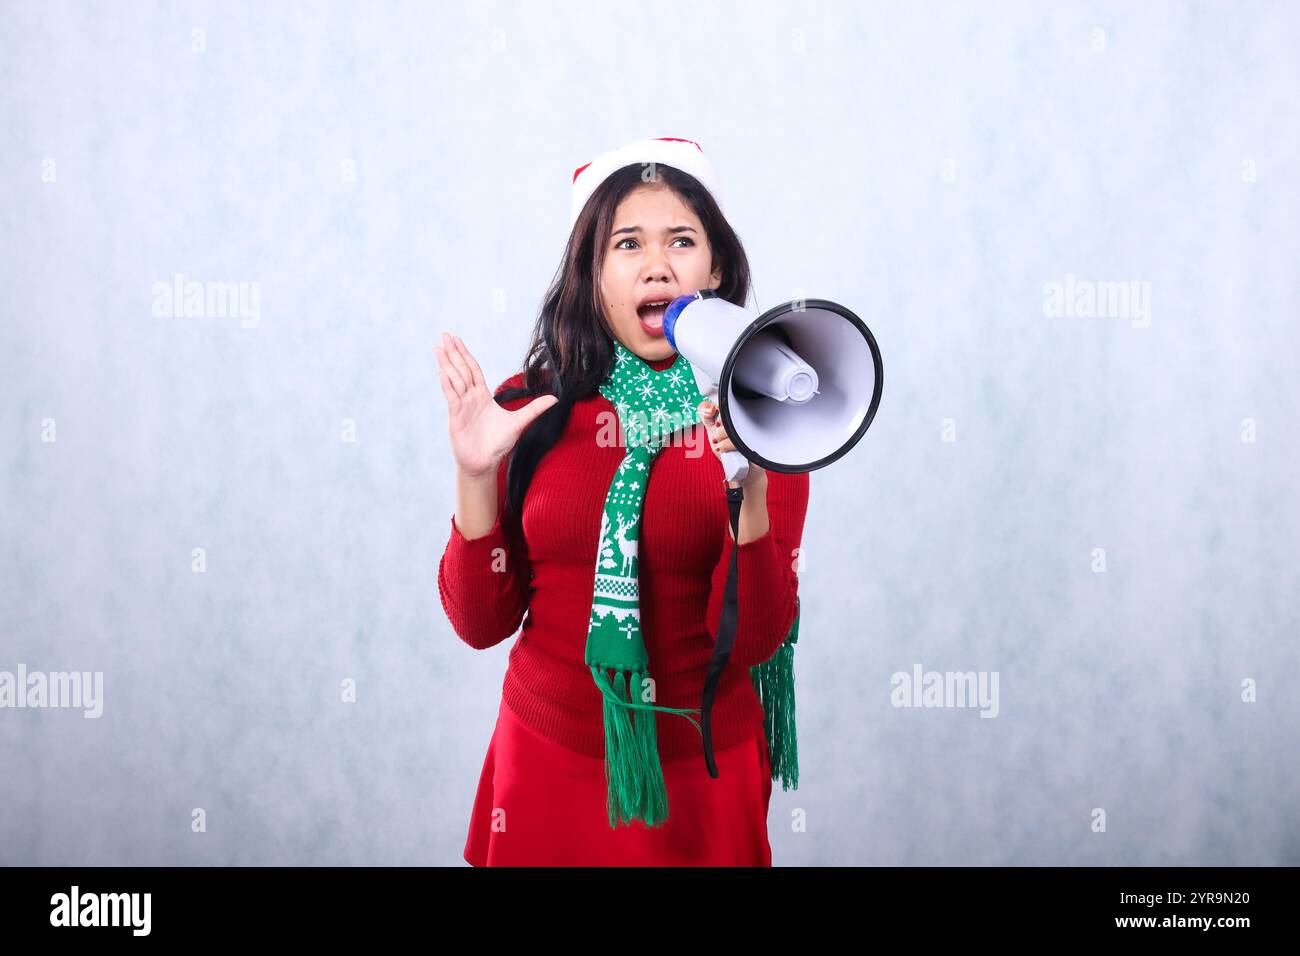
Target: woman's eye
{"x": 685, "y": 239}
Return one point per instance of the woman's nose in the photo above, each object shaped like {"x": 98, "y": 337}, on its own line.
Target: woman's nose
{"x": 656, "y": 265}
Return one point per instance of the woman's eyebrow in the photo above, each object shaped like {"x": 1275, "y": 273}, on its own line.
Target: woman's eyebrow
{"x": 638, "y": 229}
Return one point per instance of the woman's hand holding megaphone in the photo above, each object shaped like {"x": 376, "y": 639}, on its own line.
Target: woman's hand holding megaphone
{"x": 756, "y": 478}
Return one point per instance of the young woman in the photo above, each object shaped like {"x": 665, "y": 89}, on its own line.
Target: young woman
{"x": 544, "y": 499}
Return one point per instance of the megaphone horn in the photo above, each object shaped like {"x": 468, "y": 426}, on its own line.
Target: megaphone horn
{"x": 798, "y": 386}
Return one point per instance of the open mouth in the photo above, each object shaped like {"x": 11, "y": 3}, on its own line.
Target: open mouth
{"x": 652, "y": 314}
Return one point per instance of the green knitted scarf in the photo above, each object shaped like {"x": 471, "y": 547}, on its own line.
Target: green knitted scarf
{"x": 652, "y": 405}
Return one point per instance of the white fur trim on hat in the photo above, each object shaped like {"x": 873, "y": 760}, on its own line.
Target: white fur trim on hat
{"x": 684, "y": 154}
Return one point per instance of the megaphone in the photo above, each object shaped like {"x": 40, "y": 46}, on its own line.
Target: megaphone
{"x": 797, "y": 387}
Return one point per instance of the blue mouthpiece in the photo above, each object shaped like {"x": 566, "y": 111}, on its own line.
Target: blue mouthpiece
{"x": 674, "y": 309}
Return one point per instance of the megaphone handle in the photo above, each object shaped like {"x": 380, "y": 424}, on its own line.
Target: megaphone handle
{"x": 734, "y": 465}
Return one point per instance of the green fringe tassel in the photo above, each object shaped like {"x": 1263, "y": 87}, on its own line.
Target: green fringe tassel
{"x": 634, "y": 778}
{"x": 774, "y": 682}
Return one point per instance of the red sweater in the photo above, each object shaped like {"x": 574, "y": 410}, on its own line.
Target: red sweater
{"x": 547, "y": 564}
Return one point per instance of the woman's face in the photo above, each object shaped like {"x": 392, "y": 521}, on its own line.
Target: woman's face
{"x": 657, "y": 251}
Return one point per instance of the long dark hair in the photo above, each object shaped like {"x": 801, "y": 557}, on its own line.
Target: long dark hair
{"x": 572, "y": 349}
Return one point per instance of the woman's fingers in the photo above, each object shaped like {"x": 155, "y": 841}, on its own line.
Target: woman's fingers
{"x": 476, "y": 373}
{"x": 711, "y": 416}
{"x": 448, "y": 377}
{"x": 528, "y": 414}
{"x": 445, "y": 364}
{"x": 466, "y": 378}
{"x": 448, "y": 390}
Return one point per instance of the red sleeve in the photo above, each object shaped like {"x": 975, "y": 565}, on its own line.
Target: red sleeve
{"x": 766, "y": 583}
{"x": 484, "y": 582}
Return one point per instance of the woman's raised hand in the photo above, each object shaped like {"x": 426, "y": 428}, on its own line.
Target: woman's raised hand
{"x": 482, "y": 432}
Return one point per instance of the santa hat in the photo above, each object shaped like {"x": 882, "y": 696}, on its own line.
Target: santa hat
{"x": 684, "y": 154}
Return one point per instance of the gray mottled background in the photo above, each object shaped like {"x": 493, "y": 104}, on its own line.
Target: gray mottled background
{"x": 385, "y": 173}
